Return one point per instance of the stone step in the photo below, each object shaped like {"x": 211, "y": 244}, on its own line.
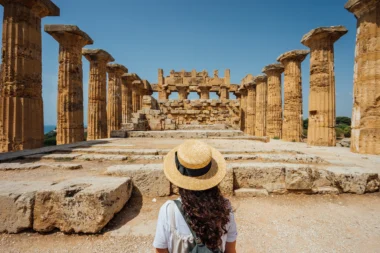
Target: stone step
{"x": 282, "y": 177}
{"x": 77, "y": 205}
{"x": 83, "y": 157}
{"x": 185, "y": 134}
{"x": 203, "y": 127}
{"x": 32, "y": 166}
{"x": 277, "y": 178}
{"x": 248, "y": 192}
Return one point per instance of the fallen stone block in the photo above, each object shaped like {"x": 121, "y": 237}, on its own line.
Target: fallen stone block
{"x": 100, "y": 157}
{"x": 83, "y": 205}
{"x": 16, "y": 204}
{"x": 119, "y": 134}
{"x": 19, "y": 166}
{"x": 149, "y": 179}
{"x": 244, "y": 192}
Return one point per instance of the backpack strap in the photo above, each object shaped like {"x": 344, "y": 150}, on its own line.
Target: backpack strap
{"x": 179, "y": 205}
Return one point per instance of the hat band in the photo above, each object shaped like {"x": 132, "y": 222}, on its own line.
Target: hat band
{"x": 191, "y": 172}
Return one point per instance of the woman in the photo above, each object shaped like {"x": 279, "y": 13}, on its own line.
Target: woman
{"x": 197, "y": 169}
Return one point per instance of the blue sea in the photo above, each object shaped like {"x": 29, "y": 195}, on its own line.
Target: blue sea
{"x": 48, "y": 128}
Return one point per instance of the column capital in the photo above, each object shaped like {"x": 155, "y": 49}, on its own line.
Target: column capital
{"x": 116, "y": 68}
{"x": 42, "y": 7}
{"x": 94, "y": 55}
{"x": 294, "y": 55}
{"x": 276, "y": 69}
{"x": 242, "y": 90}
{"x": 261, "y": 79}
{"x": 332, "y": 34}
{"x": 72, "y": 33}
{"x": 360, "y": 7}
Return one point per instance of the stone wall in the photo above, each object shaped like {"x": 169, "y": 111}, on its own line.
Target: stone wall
{"x": 202, "y": 112}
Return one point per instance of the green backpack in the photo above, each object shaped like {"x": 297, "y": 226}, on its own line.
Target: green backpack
{"x": 199, "y": 247}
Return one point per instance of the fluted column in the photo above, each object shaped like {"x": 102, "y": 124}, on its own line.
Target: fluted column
{"x": 365, "y": 137}
{"x": 224, "y": 92}
{"x": 243, "y": 108}
{"x": 114, "y": 110}
{"x": 135, "y": 94}
{"x": 21, "y": 105}
{"x": 251, "y": 107}
{"x": 204, "y": 92}
{"x": 261, "y": 105}
{"x": 274, "y": 100}
{"x": 292, "y": 125}
{"x": 71, "y": 40}
{"x": 126, "y": 91}
{"x": 97, "y": 93}
{"x": 322, "y": 109}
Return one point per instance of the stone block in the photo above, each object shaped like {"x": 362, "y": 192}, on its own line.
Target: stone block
{"x": 16, "y": 204}
{"x": 119, "y": 134}
{"x": 354, "y": 180}
{"x": 227, "y": 185}
{"x": 300, "y": 178}
{"x": 155, "y": 125}
{"x": 84, "y": 204}
{"x": 244, "y": 192}
{"x": 269, "y": 176}
{"x": 326, "y": 190}
{"x": 149, "y": 179}
{"x": 102, "y": 157}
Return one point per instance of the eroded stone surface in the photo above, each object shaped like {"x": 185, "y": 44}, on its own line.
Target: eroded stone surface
{"x": 84, "y": 204}
{"x": 149, "y": 179}
{"x": 248, "y": 192}
{"x": 16, "y": 204}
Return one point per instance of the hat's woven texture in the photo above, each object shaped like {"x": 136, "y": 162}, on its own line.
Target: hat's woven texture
{"x": 194, "y": 154}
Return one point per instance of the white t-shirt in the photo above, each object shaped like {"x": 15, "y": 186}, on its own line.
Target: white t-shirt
{"x": 164, "y": 237}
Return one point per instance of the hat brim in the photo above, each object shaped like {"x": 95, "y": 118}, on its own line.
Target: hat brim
{"x": 211, "y": 179}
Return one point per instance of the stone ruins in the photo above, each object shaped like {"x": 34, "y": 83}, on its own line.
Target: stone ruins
{"x": 80, "y": 186}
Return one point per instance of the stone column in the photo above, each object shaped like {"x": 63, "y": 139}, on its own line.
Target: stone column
{"x": 292, "y": 125}
{"x": 126, "y": 98}
{"x": 114, "y": 111}
{"x": 365, "y": 137}
{"x": 183, "y": 92}
{"x": 71, "y": 40}
{"x": 21, "y": 105}
{"x": 204, "y": 92}
{"x": 97, "y": 93}
{"x": 321, "y": 131}
{"x": 135, "y": 95}
{"x": 224, "y": 92}
{"x": 251, "y": 107}
{"x": 261, "y": 105}
{"x": 243, "y": 108}
{"x": 274, "y": 100}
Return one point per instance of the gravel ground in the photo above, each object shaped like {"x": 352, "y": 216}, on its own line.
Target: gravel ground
{"x": 290, "y": 223}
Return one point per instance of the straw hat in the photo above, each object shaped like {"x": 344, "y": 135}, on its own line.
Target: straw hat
{"x": 195, "y": 166}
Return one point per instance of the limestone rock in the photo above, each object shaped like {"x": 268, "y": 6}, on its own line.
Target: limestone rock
{"x": 257, "y": 175}
{"x": 149, "y": 179}
{"x": 84, "y": 204}
{"x": 227, "y": 184}
{"x": 16, "y": 204}
{"x": 19, "y": 166}
{"x": 299, "y": 178}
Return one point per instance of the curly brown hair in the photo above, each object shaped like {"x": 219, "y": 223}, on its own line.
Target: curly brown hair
{"x": 208, "y": 213}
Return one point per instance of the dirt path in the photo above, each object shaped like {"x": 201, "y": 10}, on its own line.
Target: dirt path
{"x": 292, "y": 223}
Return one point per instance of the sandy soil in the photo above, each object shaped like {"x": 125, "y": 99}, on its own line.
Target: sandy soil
{"x": 290, "y": 223}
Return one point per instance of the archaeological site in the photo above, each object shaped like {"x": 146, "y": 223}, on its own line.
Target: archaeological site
{"x": 99, "y": 189}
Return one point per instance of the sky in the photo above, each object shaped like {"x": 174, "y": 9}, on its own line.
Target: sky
{"x": 241, "y": 35}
